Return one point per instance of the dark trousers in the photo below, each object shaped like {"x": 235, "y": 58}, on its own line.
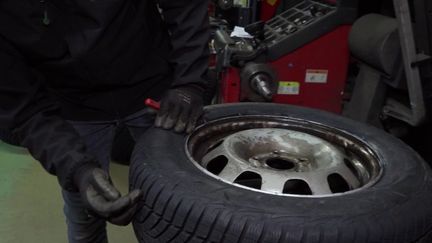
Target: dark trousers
{"x": 98, "y": 136}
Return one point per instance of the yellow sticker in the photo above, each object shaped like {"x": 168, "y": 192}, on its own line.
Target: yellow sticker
{"x": 272, "y": 2}
{"x": 289, "y": 88}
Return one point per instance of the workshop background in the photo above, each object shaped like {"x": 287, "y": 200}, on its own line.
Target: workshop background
{"x": 30, "y": 200}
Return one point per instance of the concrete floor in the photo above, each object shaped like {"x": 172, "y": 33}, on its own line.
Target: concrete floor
{"x": 31, "y": 205}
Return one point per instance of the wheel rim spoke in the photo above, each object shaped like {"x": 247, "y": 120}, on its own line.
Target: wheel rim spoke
{"x": 218, "y": 151}
{"x": 273, "y": 182}
{"x": 319, "y": 185}
{"x": 231, "y": 172}
{"x": 349, "y": 176}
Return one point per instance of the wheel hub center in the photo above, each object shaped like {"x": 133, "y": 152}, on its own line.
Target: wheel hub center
{"x": 280, "y": 160}
{"x": 280, "y": 163}
{"x": 280, "y": 149}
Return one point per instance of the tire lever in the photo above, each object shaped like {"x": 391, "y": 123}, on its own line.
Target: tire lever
{"x": 152, "y": 104}
{"x": 155, "y": 105}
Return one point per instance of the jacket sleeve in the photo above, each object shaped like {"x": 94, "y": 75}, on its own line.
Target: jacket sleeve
{"x": 187, "y": 22}
{"x": 31, "y": 115}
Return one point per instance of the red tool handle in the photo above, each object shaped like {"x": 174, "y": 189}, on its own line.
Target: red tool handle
{"x": 152, "y": 104}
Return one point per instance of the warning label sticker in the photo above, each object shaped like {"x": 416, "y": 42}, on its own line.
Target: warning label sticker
{"x": 316, "y": 76}
{"x": 289, "y": 88}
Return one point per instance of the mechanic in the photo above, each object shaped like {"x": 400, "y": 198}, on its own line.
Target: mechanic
{"x": 72, "y": 71}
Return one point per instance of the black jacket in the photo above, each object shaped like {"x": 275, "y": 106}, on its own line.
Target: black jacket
{"x": 91, "y": 60}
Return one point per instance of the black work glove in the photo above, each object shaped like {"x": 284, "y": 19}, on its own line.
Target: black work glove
{"x": 103, "y": 199}
{"x": 180, "y": 109}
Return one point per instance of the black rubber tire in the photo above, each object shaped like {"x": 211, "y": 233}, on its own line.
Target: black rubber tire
{"x": 183, "y": 204}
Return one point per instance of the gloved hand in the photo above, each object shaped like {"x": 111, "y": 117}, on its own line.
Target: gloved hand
{"x": 180, "y": 109}
{"x": 103, "y": 199}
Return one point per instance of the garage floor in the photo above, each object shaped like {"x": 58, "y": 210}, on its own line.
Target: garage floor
{"x": 31, "y": 205}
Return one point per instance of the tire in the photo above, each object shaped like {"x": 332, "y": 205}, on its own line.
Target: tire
{"x": 181, "y": 203}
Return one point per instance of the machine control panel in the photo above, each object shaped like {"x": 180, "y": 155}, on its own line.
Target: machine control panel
{"x": 305, "y": 21}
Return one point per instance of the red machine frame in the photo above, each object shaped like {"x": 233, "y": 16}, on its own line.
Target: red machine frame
{"x": 312, "y": 76}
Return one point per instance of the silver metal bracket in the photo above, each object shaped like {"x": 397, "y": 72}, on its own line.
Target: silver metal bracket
{"x": 415, "y": 113}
